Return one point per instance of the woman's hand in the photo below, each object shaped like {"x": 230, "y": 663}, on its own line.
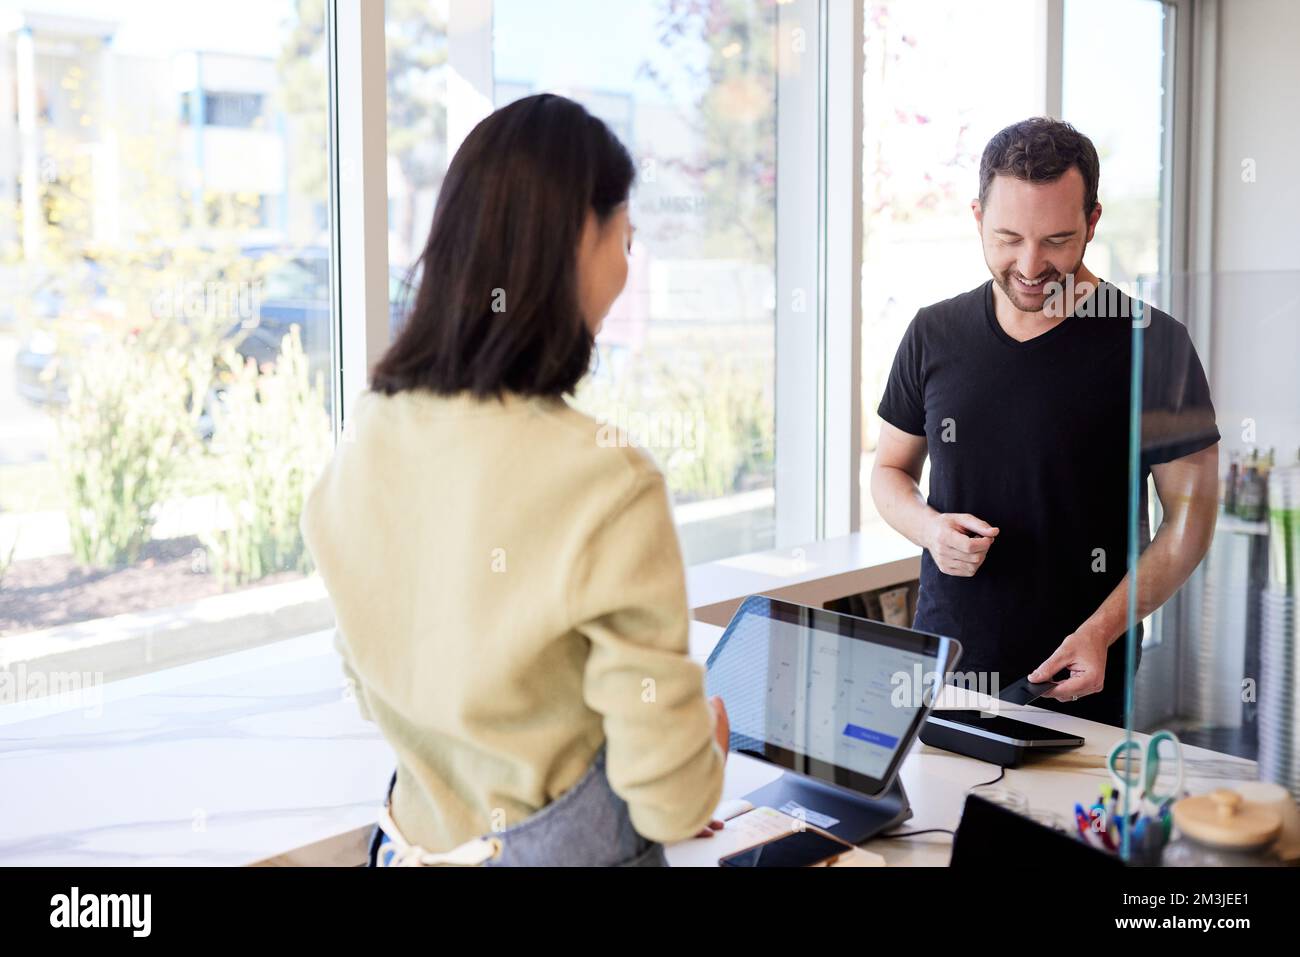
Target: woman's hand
{"x": 708, "y": 829}
{"x": 721, "y": 734}
{"x": 721, "y": 725}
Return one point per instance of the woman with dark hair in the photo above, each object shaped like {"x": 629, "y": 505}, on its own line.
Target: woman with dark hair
{"x": 508, "y": 588}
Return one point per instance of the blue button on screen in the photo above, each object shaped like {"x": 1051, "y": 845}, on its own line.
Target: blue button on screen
{"x": 869, "y": 736}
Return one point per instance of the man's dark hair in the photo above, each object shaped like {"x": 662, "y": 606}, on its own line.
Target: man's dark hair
{"x": 1041, "y": 150}
{"x": 497, "y": 306}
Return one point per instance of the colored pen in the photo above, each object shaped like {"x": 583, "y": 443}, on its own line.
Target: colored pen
{"x": 1138, "y": 845}
{"x": 1106, "y": 839}
{"x": 1081, "y": 820}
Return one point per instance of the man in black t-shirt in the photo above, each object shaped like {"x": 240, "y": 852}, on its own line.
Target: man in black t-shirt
{"x": 1018, "y": 391}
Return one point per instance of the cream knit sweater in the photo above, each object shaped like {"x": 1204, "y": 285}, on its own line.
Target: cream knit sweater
{"x": 509, "y": 596}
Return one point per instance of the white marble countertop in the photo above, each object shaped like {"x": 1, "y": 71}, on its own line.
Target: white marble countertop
{"x": 221, "y": 762}
{"x": 260, "y": 754}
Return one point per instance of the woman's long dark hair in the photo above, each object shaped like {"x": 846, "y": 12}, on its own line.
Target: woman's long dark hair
{"x": 497, "y": 306}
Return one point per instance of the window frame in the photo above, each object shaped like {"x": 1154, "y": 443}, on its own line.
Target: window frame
{"x": 358, "y": 196}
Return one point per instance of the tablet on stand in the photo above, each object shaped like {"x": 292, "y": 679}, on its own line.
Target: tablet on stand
{"x": 834, "y": 700}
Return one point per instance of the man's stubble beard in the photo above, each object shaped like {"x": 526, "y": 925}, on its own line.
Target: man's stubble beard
{"x": 1004, "y": 283}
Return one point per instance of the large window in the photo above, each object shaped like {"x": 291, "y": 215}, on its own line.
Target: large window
{"x": 169, "y": 348}
{"x": 1115, "y": 92}
{"x": 923, "y": 136}
{"x": 686, "y": 358}
{"x": 165, "y": 329}
{"x": 416, "y": 49}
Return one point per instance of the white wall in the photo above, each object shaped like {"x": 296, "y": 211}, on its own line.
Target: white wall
{"x": 1256, "y": 323}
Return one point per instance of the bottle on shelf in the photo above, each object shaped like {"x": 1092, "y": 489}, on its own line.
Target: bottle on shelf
{"x": 1230, "y": 486}
{"x": 1249, "y": 504}
{"x": 1265, "y": 471}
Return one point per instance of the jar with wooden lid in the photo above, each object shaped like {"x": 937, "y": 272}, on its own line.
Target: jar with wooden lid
{"x": 1222, "y": 829}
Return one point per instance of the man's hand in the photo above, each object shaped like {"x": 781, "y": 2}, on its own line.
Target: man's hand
{"x": 1188, "y": 495}
{"x": 1084, "y": 653}
{"x": 959, "y": 543}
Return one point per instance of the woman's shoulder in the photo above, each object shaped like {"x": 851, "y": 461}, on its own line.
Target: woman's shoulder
{"x": 538, "y": 429}
{"x": 606, "y": 444}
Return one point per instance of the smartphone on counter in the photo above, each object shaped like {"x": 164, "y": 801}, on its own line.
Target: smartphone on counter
{"x": 797, "y": 849}
{"x": 1025, "y": 691}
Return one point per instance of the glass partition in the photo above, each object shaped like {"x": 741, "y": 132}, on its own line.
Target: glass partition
{"x": 1219, "y": 667}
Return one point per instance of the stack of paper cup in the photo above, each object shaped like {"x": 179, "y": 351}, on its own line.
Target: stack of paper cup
{"x": 1279, "y": 747}
{"x": 1277, "y": 691}
{"x": 1216, "y": 663}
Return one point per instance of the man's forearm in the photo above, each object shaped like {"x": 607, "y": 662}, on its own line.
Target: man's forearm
{"x": 1188, "y": 490}
{"x": 1167, "y": 563}
{"x": 900, "y": 503}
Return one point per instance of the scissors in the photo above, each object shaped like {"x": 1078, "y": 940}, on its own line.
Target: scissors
{"x": 1143, "y": 777}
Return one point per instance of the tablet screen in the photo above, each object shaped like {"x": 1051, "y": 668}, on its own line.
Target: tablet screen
{"x": 828, "y": 695}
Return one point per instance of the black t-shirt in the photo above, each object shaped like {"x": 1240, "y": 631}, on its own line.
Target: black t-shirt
{"x": 1033, "y": 437}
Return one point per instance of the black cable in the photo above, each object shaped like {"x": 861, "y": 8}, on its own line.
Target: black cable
{"x": 1001, "y": 774}
{"x": 928, "y": 830}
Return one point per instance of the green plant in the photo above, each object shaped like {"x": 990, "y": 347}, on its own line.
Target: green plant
{"x": 713, "y": 422}
{"x": 136, "y": 346}
{"x": 271, "y": 437}
{"x": 119, "y": 441}
{"x": 733, "y": 426}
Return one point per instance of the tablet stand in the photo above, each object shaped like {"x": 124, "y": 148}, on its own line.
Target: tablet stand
{"x": 858, "y": 817}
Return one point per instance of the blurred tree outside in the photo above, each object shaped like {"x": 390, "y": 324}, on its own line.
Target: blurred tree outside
{"x": 734, "y": 116}
{"x": 707, "y": 387}
{"x": 416, "y": 45}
